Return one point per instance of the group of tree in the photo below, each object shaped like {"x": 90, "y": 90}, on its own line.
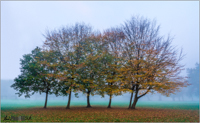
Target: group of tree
{"x": 131, "y": 58}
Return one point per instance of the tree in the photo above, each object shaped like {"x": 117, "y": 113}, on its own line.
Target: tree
{"x": 90, "y": 76}
{"x": 151, "y": 63}
{"x": 193, "y": 79}
{"x": 68, "y": 42}
{"x": 110, "y": 75}
{"x": 37, "y": 74}
{"x": 110, "y": 64}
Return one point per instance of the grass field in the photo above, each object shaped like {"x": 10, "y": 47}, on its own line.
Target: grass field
{"x": 145, "y": 112}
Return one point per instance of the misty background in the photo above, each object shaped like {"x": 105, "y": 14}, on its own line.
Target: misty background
{"x": 24, "y": 22}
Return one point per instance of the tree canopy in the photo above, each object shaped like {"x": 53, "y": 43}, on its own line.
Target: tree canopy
{"x": 130, "y": 58}
{"x": 38, "y": 74}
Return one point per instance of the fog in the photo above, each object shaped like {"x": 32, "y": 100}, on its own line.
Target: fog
{"x": 23, "y": 23}
{"x": 8, "y": 93}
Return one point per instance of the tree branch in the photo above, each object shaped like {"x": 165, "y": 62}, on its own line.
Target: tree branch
{"x": 145, "y": 93}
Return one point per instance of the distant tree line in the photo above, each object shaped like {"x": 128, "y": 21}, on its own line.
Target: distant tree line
{"x": 191, "y": 91}
{"x": 131, "y": 58}
{"x": 193, "y": 79}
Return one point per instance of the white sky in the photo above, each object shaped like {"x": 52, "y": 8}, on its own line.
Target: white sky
{"x": 22, "y": 24}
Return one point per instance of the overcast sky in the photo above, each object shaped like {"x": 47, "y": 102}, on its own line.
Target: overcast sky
{"x": 23, "y": 23}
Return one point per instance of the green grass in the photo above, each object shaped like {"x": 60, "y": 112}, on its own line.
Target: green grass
{"x": 19, "y": 104}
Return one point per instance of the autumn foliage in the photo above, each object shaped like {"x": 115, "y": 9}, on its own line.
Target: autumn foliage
{"x": 131, "y": 58}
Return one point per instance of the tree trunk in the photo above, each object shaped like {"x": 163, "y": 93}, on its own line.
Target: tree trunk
{"x": 45, "y": 105}
{"x": 109, "y": 105}
{"x": 173, "y": 98}
{"x": 88, "y": 100}
{"x": 179, "y": 99}
{"x": 134, "y": 103}
{"x": 131, "y": 100}
{"x": 148, "y": 98}
{"x": 182, "y": 98}
{"x": 135, "y": 99}
{"x": 69, "y": 100}
{"x": 160, "y": 99}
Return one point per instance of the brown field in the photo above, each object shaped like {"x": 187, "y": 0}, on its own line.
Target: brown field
{"x": 102, "y": 114}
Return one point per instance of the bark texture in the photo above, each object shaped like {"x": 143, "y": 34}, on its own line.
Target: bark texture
{"x": 88, "y": 99}
{"x": 45, "y": 104}
{"x": 109, "y": 105}
{"x": 69, "y": 100}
